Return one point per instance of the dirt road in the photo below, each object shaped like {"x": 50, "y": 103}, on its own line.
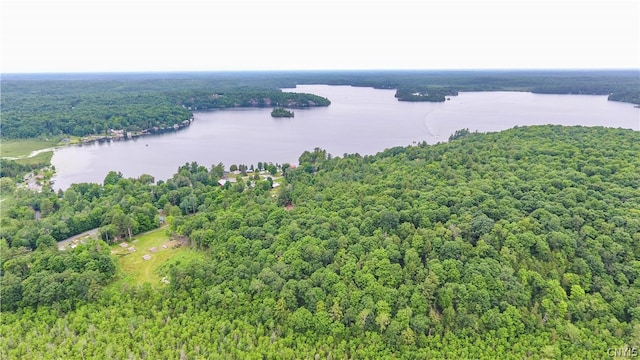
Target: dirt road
{"x": 64, "y": 243}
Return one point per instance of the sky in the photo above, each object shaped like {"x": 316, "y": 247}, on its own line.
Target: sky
{"x": 188, "y": 35}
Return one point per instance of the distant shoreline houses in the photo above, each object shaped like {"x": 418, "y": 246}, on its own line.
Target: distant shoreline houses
{"x": 122, "y": 135}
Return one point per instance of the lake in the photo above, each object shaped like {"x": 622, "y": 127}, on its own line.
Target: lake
{"x": 359, "y": 120}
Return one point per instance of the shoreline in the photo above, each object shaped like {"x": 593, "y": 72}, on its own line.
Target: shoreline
{"x": 121, "y": 135}
{"x": 118, "y": 135}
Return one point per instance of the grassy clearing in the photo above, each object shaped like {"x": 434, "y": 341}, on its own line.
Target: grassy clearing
{"x": 24, "y": 147}
{"x": 139, "y": 271}
{"x": 41, "y": 158}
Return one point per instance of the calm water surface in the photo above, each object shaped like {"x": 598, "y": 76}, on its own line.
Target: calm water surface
{"x": 359, "y": 120}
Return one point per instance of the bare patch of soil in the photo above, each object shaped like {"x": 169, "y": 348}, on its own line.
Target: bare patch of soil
{"x": 176, "y": 241}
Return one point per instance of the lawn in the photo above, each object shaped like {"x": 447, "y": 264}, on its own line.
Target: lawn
{"x": 137, "y": 270}
{"x": 41, "y": 158}
{"x": 24, "y": 147}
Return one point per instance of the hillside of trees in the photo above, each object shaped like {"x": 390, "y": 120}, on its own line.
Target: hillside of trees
{"x": 88, "y": 106}
{"x": 42, "y": 105}
{"x": 518, "y": 244}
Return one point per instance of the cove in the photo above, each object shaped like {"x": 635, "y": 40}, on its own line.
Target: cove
{"x": 359, "y": 120}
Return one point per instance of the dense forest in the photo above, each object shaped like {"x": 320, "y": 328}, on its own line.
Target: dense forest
{"x": 44, "y": 105}
{"x": 89, "y": 106}
{"x": 518, "y": 244}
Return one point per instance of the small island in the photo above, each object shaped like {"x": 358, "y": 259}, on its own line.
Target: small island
{"x": 281, "y": 112}
{"x": 424, "y": 93}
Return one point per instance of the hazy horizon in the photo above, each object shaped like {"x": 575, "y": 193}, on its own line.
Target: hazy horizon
{"x": 328, "y": 71}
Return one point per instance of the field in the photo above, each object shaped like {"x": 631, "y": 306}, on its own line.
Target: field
{"x": 162, "y": 250}
{"x": 24, "y": 147}
{"x": 40, "y": 158}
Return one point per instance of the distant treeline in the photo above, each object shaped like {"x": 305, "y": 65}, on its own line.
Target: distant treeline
{"x": 619, "y": 85}
{"x": 12, "y": 168}
{"x": 84, "y": 104}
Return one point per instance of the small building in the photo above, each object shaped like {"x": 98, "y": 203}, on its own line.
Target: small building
{"x": 222, "y": 182}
